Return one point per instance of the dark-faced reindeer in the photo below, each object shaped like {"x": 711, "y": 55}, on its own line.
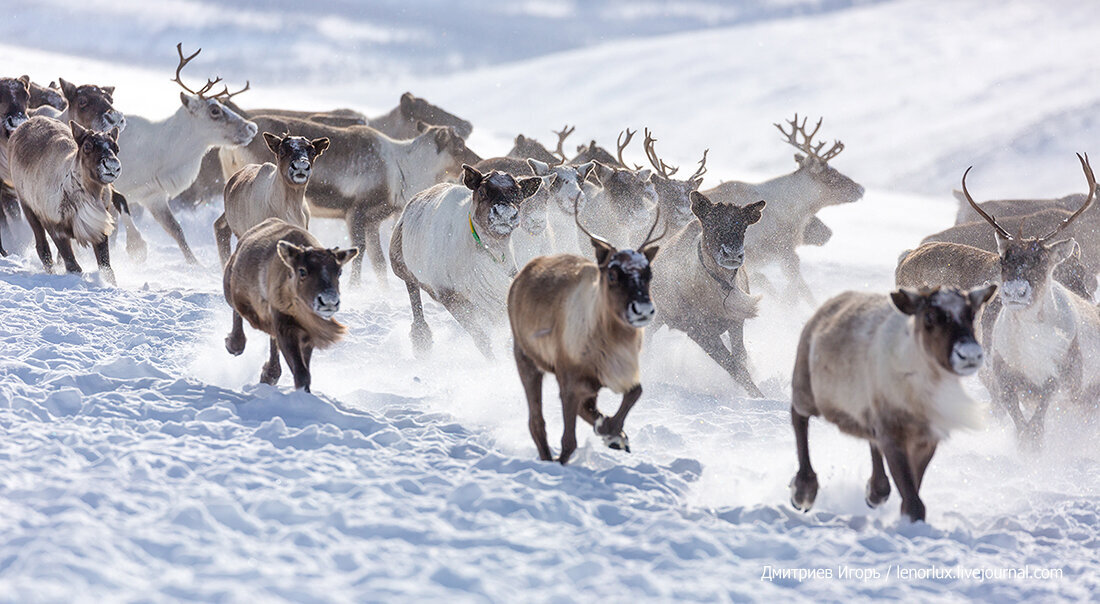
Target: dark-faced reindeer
{"x": 45, "y": 95}
{"x": 887, "y": 369}
{"x": 674, "y": 196}
{"x": 1046, "y": 339}
{"x": 162, "y": 158}
{"x": 14, "y": 102}
{"x": 701, "y": 289}
{"x": 89, "y": 105}
{"x": 286, "y": 285}
{"x": 793, "y": 200}
{"x": 525, "y": 147}
{"x": 63, "y": 175}
{"x": 583, "y": 321}
{"x": 270, "y": 190}
{"x": 452, "y": 241}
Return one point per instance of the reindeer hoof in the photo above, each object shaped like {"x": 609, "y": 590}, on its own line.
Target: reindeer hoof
{"x": 619, "y": 442}
{"x": 234, "y": 343}
{"x": 803, "y": 492}
{"x": 421, "y": 336}
{"x": 875, "y": 497}
{"x": 271, "y": 374}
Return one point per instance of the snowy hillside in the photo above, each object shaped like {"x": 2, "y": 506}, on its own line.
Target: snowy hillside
{"x": 140, "y": 462}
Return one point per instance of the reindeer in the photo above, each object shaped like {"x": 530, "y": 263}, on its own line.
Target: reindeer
{"x": 530, "y": 148}
{"x": 63, "y": 175}
{"x": 45, "y": 95}
{"x": 701, "y": 288}
{"x": 594, "y": 152}
{"x": 622, "y": 199}
{"x": 1013, "y": 207}
{"x": 401, "y": 122}
{"x": 452, "y": 242}
{"x": 889, "y": 377}
{"x": 1046, "y": 338}
{"x": 163, "y": 157}
{"x": 89, "y": 105}
{"x": 674, "y": 196}
{"x": 547, "y": 217}
{"x": 583, "y": 322}
{"x": 14, "y": 102}
{"x": 287, "y": 286}
{"x": 366, "y": 176}
{"x": 271, "y": 190}
{"x": 793, "y": 200}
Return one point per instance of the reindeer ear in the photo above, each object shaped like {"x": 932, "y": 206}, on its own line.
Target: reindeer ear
{"x": 289, "y": 253}
{"x": 406, "y": 104}
{"x": 700, "y": 205}
{"x": 754, "y": 211}
{"x": 603, "y": 173}
{"x": 79, "y": 132}
{"x": 26, "y": 79}
{"x": 345, "y": 256}
{"x": 519, "y": 139}
{"x": 644, "y": 173}
{"x": 319, "y": 146}
{"x": 650, "y": 252}
{"x": 1002, "y": 243}
{"x": 110, "y": 90}
{"x": 906, "y": 300}
{"x": 540, "y": 168}
{"x": 960, "y": 196}
{"x": 980, "y": 295}
{"x": 273, "y": 142}
{"x": 799, "y": 158}
{"x": 604, "y": 251}
{"x": 68, "y": 89}
{"x": 185, "y": 100}
{"x": 422, "y": 127}
{"x": 1062, "y": 250}
{"x": 529, "y": 186}
{"x": 583, "y": 170}
{"x": 471, "y": 177}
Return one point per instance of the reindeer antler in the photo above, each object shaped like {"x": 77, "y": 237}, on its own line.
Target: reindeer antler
{"x": 1088, "y": 201}
{"x": 562, "y": 135}
{"x": 577, "y": 219}
{"x": 659, "y": 165}
{"x": 225, "y": 95}
{"x": 702, "y": 166}
{"x": 991, "y": 220}
{"x": 183, "y": 63}
{"x": 649, "y": 238}
{"x": 807, "y": 146}
{"x": 621, "y": 144}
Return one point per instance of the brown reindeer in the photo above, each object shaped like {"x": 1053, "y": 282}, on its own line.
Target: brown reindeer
{"x": 270, "y": 190}
{"x": 89, "y": 105}
{"x": 63, "y": 175}
{"x": 887, "y": 369}
{"x": 582, "y": 321}
{"x": 286, "y": 285}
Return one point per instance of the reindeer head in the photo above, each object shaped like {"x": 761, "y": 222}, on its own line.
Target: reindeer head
{"x": 295, "y": 155}
{"x": 724, "y": 226}
{"x": 210, "y": 113}
{"x": 943, "y": 323}
{"x": 674, "y": 196}
{"x": 14, "y": 99}
{"x": 625, "y": 275}
{"x": 1027, "y": 264}
{"x": 316, "y": 275}
{"x": 832, "y": 187}
{"x": 415, "y": 109}
{"x": 496, "y": 199}
{"x": 45, "y": 95}
{"x": 97, "y": 153}
{"x": 566, "y": 185}
{"x": 631, "y": 192}
{"x": 449, "y": 146}
{"x": 91, "y": 106}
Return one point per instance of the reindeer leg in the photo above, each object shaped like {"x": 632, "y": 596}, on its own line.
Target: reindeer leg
{"x": 531, "y": 377}
{"x": 420, "y": 333}
{"x": 273, "y": 369}
{"x": 878, "y": 486}
{"x": 158, "y": 207}
{"x": 236, "y": 340}
{"x": 921, "y": 455}
{"x": 804, "y": 484}
{"x": 65, "y": 250}
{"x": 41, "y": 244}
{"x": 287, "y": 335}
{"x": 611, "y": 429}
{"x": 467, "y": 317}
{"x": 223, "y": 236}
{"x": 798, "y": 287}
{"x": 715, "y": 349}
{"x": 135, "y": 244}
{"x": 102, "y": 252}
{"x": 570, "y": 406}
{"x": 901, "y": 467}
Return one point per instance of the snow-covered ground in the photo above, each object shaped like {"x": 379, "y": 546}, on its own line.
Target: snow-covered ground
{"x": 140, "y": 462}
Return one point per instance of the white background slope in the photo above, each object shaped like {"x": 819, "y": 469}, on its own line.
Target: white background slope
{"x": 141, "y": 461}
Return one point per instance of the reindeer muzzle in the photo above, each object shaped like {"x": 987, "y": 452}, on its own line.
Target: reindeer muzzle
{"x": 13, "y": 121}
{"x": 1016, "y": 293}
{"x": 503, "y": 219}
{"x": 966, "y": 357}
{"x": 326, "y": 304}
{"x": 640, "y": 313}
{"x": 299, "y": 171}
{"x": 109, "y": 169}
{"x": 728, "y": 258}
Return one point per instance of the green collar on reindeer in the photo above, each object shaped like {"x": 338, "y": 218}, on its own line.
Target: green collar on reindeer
{"x": 483, "y": 245}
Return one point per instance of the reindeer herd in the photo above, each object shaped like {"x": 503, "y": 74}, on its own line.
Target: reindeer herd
{"x": 542, "y": 243}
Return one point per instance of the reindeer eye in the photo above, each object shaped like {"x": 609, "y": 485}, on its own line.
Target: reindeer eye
{"x": 87, "y": 146}
{"x": 301, "y": 271}
{"x": 82, "y": 103}
{"x": 215, "y": 111}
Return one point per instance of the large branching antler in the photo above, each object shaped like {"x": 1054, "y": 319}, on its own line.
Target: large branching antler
{"x": 1088, "y": 201}
{"x": 577, "y": 219}
{"x": 977, "y": 208}
{"x": 183, "y": 63}
{"x": 621, "y": 143}
{"x": 225, "y": 95}
{"x": 649, "y": 238}
{"x": 806, "y": 144}
{"x": 663, "y": 169}
{"x": 562, "y": 135}
{"x": 702, "y": 167}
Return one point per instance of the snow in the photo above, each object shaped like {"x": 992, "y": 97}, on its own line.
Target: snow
{"x": 139, "y": 461}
